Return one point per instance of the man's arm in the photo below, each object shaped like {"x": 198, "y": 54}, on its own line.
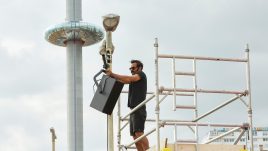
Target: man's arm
{"x": 123, "y": 78}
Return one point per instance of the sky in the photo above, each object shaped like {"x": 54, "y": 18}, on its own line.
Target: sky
{"x": 33, "y": 71}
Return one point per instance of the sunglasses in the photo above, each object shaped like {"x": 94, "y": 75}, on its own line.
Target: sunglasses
{"x": 132, "y": 68}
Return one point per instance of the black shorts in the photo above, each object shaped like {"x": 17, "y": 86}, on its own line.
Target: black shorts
{"x": 137, "y": 121}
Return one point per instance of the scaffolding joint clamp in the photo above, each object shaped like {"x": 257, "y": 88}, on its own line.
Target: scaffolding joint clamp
{"x": 157, "y": 109}
{"x": 246, "y": 93}
{"x": 250, "y": 111}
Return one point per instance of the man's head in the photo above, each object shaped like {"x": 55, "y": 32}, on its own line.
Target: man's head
{"x": 136, "y": 66}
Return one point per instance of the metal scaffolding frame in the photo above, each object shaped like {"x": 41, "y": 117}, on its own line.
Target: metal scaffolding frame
{"x": 174, "y": 92}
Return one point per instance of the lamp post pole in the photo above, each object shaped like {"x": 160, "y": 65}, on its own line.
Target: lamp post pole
{"x": 54, "y": 137}
{"x": 110, "y": 23}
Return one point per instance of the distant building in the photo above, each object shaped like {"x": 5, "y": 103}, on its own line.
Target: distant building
{"x": 260, "y": 137}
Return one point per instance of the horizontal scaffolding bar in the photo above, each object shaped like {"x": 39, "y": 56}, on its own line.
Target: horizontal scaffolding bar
{"x": 185, "y": 107}
{"x": 168, "y": 120}
{"x": 202, "y": 58}
{"x": 186, "y": 141}
{"x": 185, "y": 73}
{"x": 190, "y": 123}
{"x": 201, "y": 124}
{"x": 167, "y": 93}
{"x": 205, "y": 91}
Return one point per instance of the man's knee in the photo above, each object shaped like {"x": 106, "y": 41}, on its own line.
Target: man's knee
{"x": 138, "y": 134}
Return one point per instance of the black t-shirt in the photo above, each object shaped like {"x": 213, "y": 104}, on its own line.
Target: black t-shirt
{"x": 137, "y": 91}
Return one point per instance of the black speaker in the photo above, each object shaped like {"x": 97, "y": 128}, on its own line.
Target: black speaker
{"x": 106, "y": 96}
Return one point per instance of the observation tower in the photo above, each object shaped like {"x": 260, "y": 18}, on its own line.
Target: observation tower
{"x": 74, "y": 34}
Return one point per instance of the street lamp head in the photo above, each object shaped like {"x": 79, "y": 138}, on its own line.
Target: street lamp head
{"x": 110, "y": 22}
{"x": 52, "y": 130}
{"x": 53, "y": 133}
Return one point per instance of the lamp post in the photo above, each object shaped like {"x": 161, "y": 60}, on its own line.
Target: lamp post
{"x": 54, "y": 137}
{"x": 110, "y": 23}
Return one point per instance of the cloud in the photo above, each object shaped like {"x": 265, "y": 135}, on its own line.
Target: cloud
{"x": 17, "y": 48}
{"x": 28, "y": 119}
{"x": 33, "y": 71}
{"x": 16, "y": 138}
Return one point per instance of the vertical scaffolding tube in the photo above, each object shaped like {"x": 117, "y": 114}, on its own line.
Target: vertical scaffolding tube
{"x": 195, "y": 101}
{"x": 174, "y": 82}
{"x": 119, "y": 124}
{"x": 249, "y": 98}
{"x": 157, "y": 109}
{"x": 175, "y": 137}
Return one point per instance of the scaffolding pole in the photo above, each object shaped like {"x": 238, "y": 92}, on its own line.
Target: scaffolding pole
{"x": 222, "y": 135}
{"x": 217, "y": 108}
{"x": 249, "y": 99}
{"x": 157, "y": 108}
{"x": 195, "y": 102}
{"x": 201, "y": 58}
{"x": 174, "y": 83}
{"x": 119, "y": 122}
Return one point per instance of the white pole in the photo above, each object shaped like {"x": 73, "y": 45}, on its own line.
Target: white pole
{"x": 222, "y": 135}
{"x": 175, "y": 137}
{"x": 249, "y": 98}
{"x": 119, "y": 123}
{"x": 201, "y": 58}
{"x": 110, "y": 117}
{"x": 217, "y": 108}
{"x": 174, "y": 82}
{"x": 157, "y": 109}
{"x": 204, "y": 91}
{"x": 195, "y": 101}
{"x": 110, "y": 23}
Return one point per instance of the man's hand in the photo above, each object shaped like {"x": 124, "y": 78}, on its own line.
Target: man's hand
{"x": 108, "y": 72}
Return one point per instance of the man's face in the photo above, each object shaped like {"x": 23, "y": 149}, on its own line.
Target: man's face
{"x": 134, "y": 69}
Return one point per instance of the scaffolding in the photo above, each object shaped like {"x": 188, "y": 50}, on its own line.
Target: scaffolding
{"x": 160, "y": 91}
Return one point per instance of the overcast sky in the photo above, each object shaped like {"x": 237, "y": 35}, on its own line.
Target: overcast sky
{"x": 33, "y": 71}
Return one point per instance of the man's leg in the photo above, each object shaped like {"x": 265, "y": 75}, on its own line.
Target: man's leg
{"x": 138, "y": 144}
{"x": 133, "y": 134}
{"x": 143, "y": 143}
{"x": 138, "y": 122}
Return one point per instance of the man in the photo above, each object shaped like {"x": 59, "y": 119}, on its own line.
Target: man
{"x": 137, "y": 94}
